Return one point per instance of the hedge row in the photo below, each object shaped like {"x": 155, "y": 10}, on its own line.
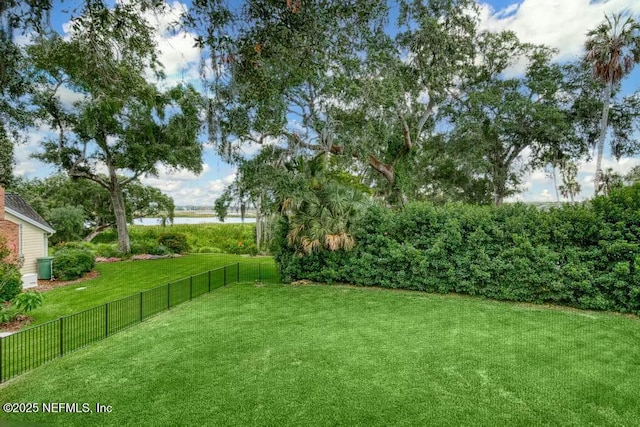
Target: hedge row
{"x": 585, "y": 256}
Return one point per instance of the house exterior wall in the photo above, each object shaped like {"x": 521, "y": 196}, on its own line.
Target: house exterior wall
{"x": 32, "y": 243}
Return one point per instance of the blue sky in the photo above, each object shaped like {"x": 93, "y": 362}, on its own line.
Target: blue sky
{"x": 561, "y": 24}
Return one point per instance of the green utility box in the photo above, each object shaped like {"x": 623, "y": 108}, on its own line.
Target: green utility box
{"x": 45, "y": 268}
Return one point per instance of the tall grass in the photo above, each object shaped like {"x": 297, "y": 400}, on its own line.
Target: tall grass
{"x": 211, "y": 238}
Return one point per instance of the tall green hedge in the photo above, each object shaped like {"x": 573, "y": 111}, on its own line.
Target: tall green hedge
{"x": 585, "y": 256}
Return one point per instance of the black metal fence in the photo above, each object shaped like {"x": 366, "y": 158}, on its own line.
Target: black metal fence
{"x": 30, "y": 348}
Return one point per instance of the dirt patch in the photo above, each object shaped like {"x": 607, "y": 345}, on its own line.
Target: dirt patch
{"x": 14, "y": 326}
{"x": 47, "y": 285}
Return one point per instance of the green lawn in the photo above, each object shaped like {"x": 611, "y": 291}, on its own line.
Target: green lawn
{"x": 320, "y": 355}
{"x": 122, "y": 279}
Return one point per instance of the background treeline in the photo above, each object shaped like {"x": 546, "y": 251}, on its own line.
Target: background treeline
{"x": 584, "y": 256}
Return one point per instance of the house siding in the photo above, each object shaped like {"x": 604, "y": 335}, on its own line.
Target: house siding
{"x": 31, "y": 244}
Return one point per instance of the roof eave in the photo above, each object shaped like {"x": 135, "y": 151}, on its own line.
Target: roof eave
{"x": 30, "y": 220}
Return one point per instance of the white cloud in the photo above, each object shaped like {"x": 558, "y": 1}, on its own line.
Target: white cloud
{"x": 559, "y": 24}
{"x": 539, "y": 176}
{"x": 546, "y": 195}
{"x": 229, "y": 178}
{"x": 165, "y": 173}
{"x": 177, "y": 51}
{"x": 24, "y": 164}
{"x": 167, "y": 186}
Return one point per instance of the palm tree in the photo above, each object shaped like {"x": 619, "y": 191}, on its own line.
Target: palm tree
{"x": 321, "y": 209}
{"x": 612, "y": 49}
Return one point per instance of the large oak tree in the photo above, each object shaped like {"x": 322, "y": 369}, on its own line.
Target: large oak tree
{"x": 122, "y": 127}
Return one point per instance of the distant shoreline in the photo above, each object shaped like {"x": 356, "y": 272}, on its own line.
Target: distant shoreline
{"x": 199, "y": 219}
{"x": 203, "y": 215}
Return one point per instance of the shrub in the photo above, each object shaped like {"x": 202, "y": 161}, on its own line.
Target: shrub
{"x": 10, "y": 281}
{"x": 69, "y": 264}
{"x": 28, "y": 301}
{"x": 106, "y": 250}
{"x": 148, "y": 246}
{"x": 8, "y": 313}
{"x": 209, "y": 250}
{"x": 240, "y": 248}
{"x": 585, "y": 256}
{"x": 10, "y": 277}
{"x": 107, "y": 236}
{"x": 174, "y": 242}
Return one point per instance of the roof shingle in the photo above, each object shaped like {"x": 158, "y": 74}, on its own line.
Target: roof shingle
{"x": 17, "y": 204}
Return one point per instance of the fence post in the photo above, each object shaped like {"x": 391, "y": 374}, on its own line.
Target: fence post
{"x": 61, "y": 336}
{"x": 168, "y": 296}
{"x": 1, "y": 340}
{"x": 209, "y": 280}
{"x": 224, "y": 282}
{"x": 106, "y": 319}
{"x": 190, "y": 287}
{"x": 238, "y": 275}
{"x": 141, "y": 317}
{"x": 259, "y": 273}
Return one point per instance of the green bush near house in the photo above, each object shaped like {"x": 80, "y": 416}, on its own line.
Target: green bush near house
{"x": 10, "y": 281}
{"x": 70, "y": 263}
{"x": 10, "y": 277}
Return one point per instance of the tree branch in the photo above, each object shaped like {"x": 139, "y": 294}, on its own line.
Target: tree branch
{"x": 88, "y": 175}
{"x": 427, "y": 113}
{"x": 384, "y": 169}
{"x": 406, "y": 133}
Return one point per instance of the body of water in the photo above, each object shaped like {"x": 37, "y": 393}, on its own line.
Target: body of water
{"x": 194, "y": 220}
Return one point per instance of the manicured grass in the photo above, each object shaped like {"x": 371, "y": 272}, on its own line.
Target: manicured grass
{"x": 320, "y": 355}
{"x": 122, "y": 279}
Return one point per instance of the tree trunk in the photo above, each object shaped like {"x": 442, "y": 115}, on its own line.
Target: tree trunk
{"x": 259, "y": 225}
{"x": 499, "y": 181}
{"x": 119, "y": 210}
{"x": 606, "y": 98}
{"x": 555, "y": 183}
{"x": 498, "y": 198}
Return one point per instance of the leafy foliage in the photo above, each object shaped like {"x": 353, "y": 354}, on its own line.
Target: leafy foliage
{"x": 28, "y": 301}
{"x": 52, "y": 196}
{"x": 10, "y": 281}
{"x": 174, "y": 242}
{"x": 149, "y": 127}
{"x": 212, "y": 238}
{"x": 68, "y": 221}
{"x": 69, "y": 263}
{"x": 583, "y": 256}
{"x": 10, "y": 277}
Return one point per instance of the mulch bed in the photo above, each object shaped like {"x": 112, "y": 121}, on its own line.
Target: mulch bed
{"x": 47, "y": 285}
{"x": 14, "y": 326}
